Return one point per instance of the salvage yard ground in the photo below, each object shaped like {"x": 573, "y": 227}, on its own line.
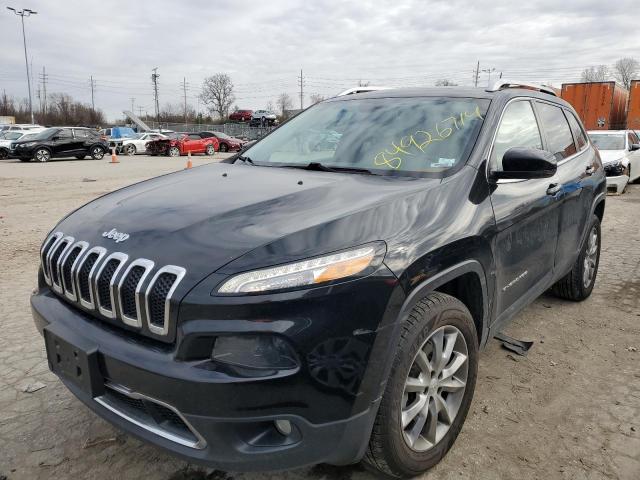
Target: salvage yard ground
{"x": 570, "y": 410}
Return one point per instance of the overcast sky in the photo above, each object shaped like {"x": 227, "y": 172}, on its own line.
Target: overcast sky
{"x": 263, "y": 45}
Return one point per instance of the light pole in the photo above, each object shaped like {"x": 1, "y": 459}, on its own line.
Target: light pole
{"x": 22, "y": 13}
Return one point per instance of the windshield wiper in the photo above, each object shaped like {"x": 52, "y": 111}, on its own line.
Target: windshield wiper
{"x": 245, "y": 159}
{"x": 319, "y": 167}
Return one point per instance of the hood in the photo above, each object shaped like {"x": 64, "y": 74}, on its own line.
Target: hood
{"x": 610, "y": 156}
{"x": 205, "y": 217}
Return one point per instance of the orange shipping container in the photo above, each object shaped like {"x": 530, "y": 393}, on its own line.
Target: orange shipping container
{"x": 600, "y": 105}
{"x": 633, "y": 112}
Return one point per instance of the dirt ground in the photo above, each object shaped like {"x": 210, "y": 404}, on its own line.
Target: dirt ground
{"x": 570, "y": 410}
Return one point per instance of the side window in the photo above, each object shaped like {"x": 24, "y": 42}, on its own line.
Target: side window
{"x": 194, "y": 136}
{"x": 64, "y": 134}
{"x": 80, "y": 133}
{"x": 557, "y": 129}
{"x": 578, "y": 133}
{"x": 633, "y": 138}
{"x": 518, "y": 128}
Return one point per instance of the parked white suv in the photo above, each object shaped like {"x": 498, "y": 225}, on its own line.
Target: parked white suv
{"x": 620, "y": 154}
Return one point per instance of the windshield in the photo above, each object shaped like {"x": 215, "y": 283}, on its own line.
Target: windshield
{"x": 400, "y": 136}
{"x": 221, "y": 135}
{"x": 609, "y": 141}
{"x": 11, "y": 135}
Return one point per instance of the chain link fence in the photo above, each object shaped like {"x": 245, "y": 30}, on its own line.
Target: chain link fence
{"x": 238, "y": 130}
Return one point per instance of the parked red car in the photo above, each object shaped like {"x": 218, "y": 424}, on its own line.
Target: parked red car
{"x": 183, "y": 143}
{"x": 241, "y": 116}
{"x": 227, "y": 143}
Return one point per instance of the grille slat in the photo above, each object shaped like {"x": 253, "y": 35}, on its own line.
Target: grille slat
{"x": 111, "y": 286}
{"x": 83, "y": 276}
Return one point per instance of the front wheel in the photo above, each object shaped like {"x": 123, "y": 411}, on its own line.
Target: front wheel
{"x": 97, "y": 153}
{"x": 174, "y": 152}
{"x": 577, "y": 285}
{"x": 429, "y": 389}
{"x": 210, "y": 149}
{"x": 130, "y": 149}
{"x": 42, "y": 155}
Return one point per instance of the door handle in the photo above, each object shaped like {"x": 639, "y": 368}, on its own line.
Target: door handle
{"x": 554, "y": 188}
{"x": 590, "y": 170}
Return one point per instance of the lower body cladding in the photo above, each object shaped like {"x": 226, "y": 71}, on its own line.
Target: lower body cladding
{"x": 311, "y": 397}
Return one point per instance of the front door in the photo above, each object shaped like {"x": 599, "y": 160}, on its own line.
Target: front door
{"x": 64, "y": 144}
{"x": 527, "y": 214}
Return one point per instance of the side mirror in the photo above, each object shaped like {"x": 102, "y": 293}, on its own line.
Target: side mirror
{"x": 526, "y": 163}
{"x": 634, "y": 146}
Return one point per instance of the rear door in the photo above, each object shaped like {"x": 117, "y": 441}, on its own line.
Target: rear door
{"x": 192, "y": 143}
{"x": 576, "y": 164}
{"x": 527, "y": 214}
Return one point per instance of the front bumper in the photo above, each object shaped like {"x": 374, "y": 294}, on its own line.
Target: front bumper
{"x": 231, "y": 416}
{"x": 617, "y": 184}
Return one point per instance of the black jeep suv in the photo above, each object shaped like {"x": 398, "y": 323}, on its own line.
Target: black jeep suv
{"x": 60, "y": 142}
{"x": 323, "y": 296}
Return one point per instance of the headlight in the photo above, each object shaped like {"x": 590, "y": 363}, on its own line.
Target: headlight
{"x": 348, "y": 263}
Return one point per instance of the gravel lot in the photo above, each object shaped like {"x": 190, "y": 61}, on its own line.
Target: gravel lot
{"x": 570, "y": 410}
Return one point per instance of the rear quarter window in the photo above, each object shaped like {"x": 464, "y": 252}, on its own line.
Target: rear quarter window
{"x": 559, "y": 137}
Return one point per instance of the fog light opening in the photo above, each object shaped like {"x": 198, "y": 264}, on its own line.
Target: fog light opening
{"x": 284, "y": 427}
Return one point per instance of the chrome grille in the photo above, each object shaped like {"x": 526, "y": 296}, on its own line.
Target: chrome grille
{"x": 130, "y": 291}
{"x": 159, "y": 294}
{"x": 110, "y": 285}
{"x": 105, "y": 283}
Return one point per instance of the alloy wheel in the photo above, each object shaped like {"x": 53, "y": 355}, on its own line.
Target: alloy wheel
{"x": 43, "y": 155}
{"x": 174, "y": 152}
{"x": 210, "y": 150}
{"x": 130, "y": 150}
{"x": 434, "y": 388}
{"x": 97, "y": 153}
{"x": 590, "y": 258}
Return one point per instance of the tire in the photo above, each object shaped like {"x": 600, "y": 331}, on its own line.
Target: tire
{"x": 42, "y": 155}
{"x": 577, "y": 285}
{"x": 130, "y": 149}
{"x": 210, "y": 150}
{"x": 97, "y": 153}
{"x": 436, "y": 317}
{"x": 174, "y": 152}
{"x": 4, "y": 153}
{"x": 224, "y": 147}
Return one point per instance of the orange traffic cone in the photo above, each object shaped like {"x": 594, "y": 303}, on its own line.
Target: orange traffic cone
{"x": 114, "y": 157}
{"x": 189, "y": 162}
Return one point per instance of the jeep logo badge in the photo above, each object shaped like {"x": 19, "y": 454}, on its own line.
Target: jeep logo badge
{"x": 115, "y": 235}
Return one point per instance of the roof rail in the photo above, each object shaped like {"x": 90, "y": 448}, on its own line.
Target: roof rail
{"x": 502, "y": 84}
{"x": 354, "y": 90}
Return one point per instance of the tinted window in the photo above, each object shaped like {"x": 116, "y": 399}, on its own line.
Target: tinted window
{"x": 385, "y": 136}
{"x": 578, "y": 133}
{"x": 194, "y": 136}
{"x": 64, "y": 134}
{"x": 80, "y": 133}
{"x": 559, "y": 138}
{"x": 518, "y": 128}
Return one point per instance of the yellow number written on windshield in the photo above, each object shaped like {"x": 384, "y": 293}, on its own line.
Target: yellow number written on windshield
{"x": 420, "y": 140}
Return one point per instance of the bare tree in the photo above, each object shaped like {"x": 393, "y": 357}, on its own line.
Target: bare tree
{"x": 284, "y": 102}
{"x": 362, "y": 83}
{"x": 270, "y": 107}
{"x": 445, "y": 82}
{"x": 217, "y": 94}
{"x": 316, "y": 98}
{"x": 625, "y": 70}
{"x": 599, "y": 73}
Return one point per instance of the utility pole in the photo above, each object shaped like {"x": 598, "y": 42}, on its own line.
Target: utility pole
{"x": 154, "y": 79}
{"x": 43, "y": 79}
{"x": 93, "y": 84}
{"x": 25, "y": 12}
{"x": 133, "y": 101}
{"x": 301, "y": 83}
{"x": 476, "y": 74}
{"x": 184, "y": 89}
{"x": 140, "y": 111}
